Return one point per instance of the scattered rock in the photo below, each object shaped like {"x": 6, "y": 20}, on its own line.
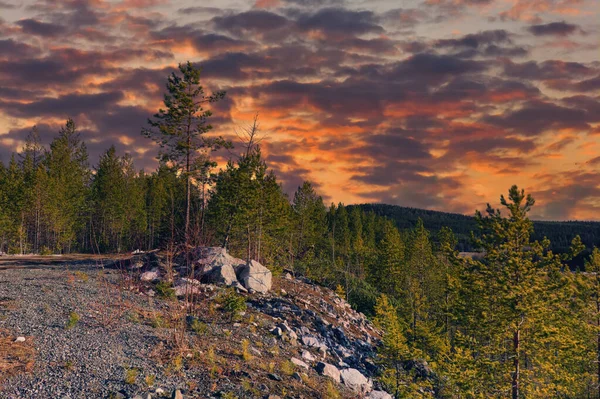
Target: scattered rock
{"x": 353, "y": 379}
{"x": 20, "y": 339}
{"x": 287, "y": 276}
{"x": 177, "y": 394}
{"x": 277, "y": 332}
{"x": 255, "y": 276}
{"x": 299, "y": 363}
{"x": 274, "y": 377}
{"x": 328, "y": 370}
{"x": 306, "y": 355}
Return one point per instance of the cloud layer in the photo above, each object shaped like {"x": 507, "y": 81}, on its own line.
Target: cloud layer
{"x": 438, "y": 104}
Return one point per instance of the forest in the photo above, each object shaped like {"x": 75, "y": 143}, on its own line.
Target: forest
{"x": 516, "y": 323}
{"x": 560, "y": 234}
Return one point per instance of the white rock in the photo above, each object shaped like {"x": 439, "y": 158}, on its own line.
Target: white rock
{"x": 299, "y": 363}
{"x": 379, "y": 395}
{"x": 151, "y": 275}
{"x": 216, "y": 266}
{"x": 328, "y": 370}
{"x": 255, "y": 276}
{"x": 306, "y": 355}
{"x": 186, "y": 286}
{"x": 20, "y": 339}
{"x": 311, "y": 341}
{"x": 357, "y": 382}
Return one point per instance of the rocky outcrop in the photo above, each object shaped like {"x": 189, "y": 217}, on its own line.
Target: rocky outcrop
{"x": 215, "y": 266}
{"x": 255, "y": 277}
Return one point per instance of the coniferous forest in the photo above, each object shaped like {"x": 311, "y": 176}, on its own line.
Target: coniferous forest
{"x": 517, "y": 322}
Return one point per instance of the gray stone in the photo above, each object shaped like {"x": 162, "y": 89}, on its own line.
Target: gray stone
{"x": 379, "y": 395}
{"x": 328, "y": 370}
{"x": 255, "y": 277}
{"x": 299, "y": 363}
{"x": 186, "y": 286}
{"x": 216, "y": 266}
{"x": 354, "y": 380}
{"x": 152, "y": 275}
{"x": 306, "y": 355}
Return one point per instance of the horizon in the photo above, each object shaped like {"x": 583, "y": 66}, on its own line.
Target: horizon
{"x": 440, "y": 105}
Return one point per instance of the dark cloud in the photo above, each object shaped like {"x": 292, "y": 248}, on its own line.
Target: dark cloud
{"x": 251, "y": 22}
{"x": 12, "y": 49}
{"x": 477, "y": 39}
{"x": 202, "y": 10}
{"x": 39, "y": 28}
{"x": 547, "y": 70}
{"x": 491, "y": 43}
{"x": 340, "y": 21}
{"x": 536, "y": 117}
{"x": 8, "y": 6}
{"x": 553, "y": 29}
{"x": 70, "y": 104}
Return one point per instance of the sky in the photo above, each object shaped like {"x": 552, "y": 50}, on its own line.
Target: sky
{"x": 437, "y": 104}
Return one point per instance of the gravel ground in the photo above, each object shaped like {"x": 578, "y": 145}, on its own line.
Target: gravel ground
{"x": 90, "y": 359}
{"x": 115, "y": 335}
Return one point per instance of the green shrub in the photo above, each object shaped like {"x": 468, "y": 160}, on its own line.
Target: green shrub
{"x": 73, "y": 320}
{"x": 165, "y": 290}
{"x": 233, "y": 303}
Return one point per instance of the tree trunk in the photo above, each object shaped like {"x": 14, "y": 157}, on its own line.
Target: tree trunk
{"x": 598, "y": 347}
{"x": 517, "y": 370}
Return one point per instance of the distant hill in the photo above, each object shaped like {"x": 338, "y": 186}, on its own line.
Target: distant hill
{"x": 560, "y": 234}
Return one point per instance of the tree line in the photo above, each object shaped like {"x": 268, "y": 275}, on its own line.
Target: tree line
{"x": 516, "y": 323}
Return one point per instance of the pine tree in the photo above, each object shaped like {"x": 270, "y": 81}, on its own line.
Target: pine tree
{"x": 68, "y": 183}
{"x": 32, "y": 164}
{"x": 518, "y": 288}
{"x": 309, "y": 229}
{"x": 181, "y": 129}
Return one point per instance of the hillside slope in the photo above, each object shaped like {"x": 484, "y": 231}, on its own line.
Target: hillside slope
{"x": 559, "y": 233}
{"x": 107, "y": 331}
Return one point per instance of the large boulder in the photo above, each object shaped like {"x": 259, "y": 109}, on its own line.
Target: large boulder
{"x": 255, "y": 276}
{"x": 354, "y": 380}
{"x": 328, "y": 370}
{"x": 215, "y": 266}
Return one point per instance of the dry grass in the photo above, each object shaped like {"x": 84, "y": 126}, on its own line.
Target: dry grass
{"x": 15, "y": 357}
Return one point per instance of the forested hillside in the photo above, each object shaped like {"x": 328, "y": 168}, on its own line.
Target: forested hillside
{"x": 560, "y": 234}
{"x": 516, "y": 323}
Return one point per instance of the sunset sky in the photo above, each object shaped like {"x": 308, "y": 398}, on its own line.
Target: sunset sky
{"x": 438, "y": 104}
